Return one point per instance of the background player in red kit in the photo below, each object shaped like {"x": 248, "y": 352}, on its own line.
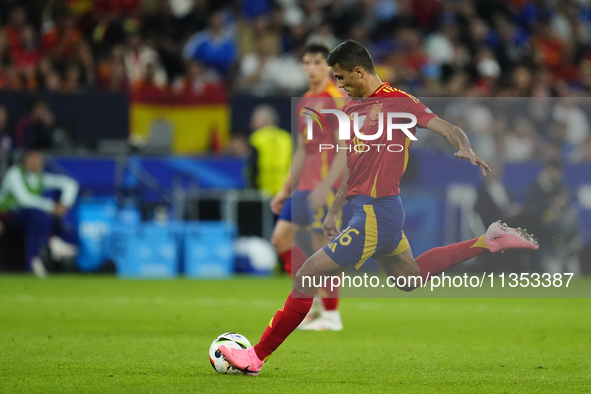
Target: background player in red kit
{"x": 371, "y": 183}
{"x": 317, "y": 175}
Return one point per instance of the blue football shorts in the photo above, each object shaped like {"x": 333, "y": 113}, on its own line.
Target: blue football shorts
{"x": 375, "y": 230}
{"x": 297, "y": 210}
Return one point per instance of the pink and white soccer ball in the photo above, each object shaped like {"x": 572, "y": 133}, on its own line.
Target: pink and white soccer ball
{"x": 231, "y": 340}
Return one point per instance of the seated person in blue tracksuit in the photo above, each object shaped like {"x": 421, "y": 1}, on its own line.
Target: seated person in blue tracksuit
{"x": 24, "y": 208}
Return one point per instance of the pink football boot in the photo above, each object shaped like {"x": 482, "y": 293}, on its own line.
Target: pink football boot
{"x": 501, "y": 237}
{"x": 245, "y": 360}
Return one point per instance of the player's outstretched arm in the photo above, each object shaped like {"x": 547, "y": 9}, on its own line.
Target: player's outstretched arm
{"x": 459, "y": 139}
{"x": 329, "y": 227}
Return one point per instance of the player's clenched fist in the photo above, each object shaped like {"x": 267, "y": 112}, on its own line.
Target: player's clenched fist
{"x": 329, "y": 227}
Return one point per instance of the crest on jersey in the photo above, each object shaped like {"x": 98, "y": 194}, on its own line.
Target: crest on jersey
{"x": 375, "y": 111}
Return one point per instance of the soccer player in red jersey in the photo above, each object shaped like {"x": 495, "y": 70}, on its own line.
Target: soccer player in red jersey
{"x": 371, "y": 183}
{"x": 316, "y": 176}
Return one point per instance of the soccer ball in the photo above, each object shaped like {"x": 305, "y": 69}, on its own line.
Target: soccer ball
{"x": 228, "y": 339}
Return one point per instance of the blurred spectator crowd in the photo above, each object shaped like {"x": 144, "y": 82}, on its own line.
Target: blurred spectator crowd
{"x": 204, "y": 48}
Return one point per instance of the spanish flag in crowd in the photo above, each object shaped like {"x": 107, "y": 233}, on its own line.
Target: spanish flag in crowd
{"x": 198, "y": 124}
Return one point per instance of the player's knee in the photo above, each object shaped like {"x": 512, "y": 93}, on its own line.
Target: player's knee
{"x": 275, "y": 240}
{"x": 281, "y": 242}
{"x": 301, "y": 281}
{"x": 305, "y": 281}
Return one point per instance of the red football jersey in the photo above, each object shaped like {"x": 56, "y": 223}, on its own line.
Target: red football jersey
{"x": 375, "y": 170}
{"x": 317, "y": 163}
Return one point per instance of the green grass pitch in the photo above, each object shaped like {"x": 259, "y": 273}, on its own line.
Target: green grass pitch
{"x": 83, "y": 334}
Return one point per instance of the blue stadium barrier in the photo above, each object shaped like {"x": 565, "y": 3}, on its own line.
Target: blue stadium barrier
{"x": 149, "y": 250}
{"x": 145, "y": 250}
{"x": 95, "y": 220}
{"x": 208, "y": 249}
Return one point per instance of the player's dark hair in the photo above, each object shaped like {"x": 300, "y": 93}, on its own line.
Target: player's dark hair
{"x": 315, "y": 48}
{"x": 351, "y": 54}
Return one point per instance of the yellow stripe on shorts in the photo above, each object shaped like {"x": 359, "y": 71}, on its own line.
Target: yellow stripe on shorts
{"x": 318, "y": 217}
{"x": 371, "y": 235}
{"x": 402, "y": 246}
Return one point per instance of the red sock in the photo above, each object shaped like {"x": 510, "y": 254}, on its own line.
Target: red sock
{"x": 437, "y": 260}
{"x": 283, "y": 323}
{"x": 330, "y": 298}
{"x": 293, "y": 259}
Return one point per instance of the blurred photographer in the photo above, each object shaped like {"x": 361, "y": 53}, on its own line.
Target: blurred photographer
{"x": 25, "y": 210}
{"x": 554, "y": 220}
